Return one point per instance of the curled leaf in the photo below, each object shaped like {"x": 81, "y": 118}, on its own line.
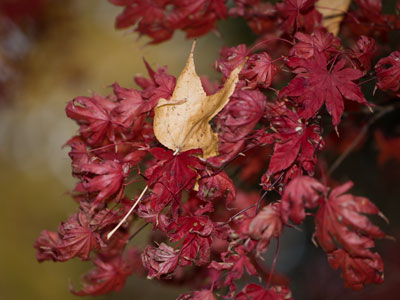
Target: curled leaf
{"x": 182, "y": 123}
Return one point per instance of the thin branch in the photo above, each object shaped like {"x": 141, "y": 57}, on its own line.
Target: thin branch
{"x": 138, "y": 231}
{"x": 235, "y": 215}
{"x": 383, "y": 111}
{"x": 110, "y": 234}
{"x": 273, "y": 263}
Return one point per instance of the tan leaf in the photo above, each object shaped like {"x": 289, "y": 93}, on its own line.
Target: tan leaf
{"x": 182, "y": 123}
{"x": 332, "y": 12}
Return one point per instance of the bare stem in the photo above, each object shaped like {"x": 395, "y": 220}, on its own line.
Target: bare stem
{"x": 110, "y": 234}
{"x": 273, "y": 263}
{"x": 383, "y": 111}
{"x": 139, "y": 230}
{"x": 235, "y": 215}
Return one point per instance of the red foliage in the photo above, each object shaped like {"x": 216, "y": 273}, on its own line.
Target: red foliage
{"x": 302, "y": 192}
{"x": 106, "y": 178}
{"x": 160, "y": 261}
{"x": 255, "y": 292}
{"x": 206, "y": 213}
{"x": 318, "y": 41}
{"x": 195, "y": 235}
{"x": 388, "y": 71}
{"x": 108, "y": 275}
{"x": 357, "y": 271}
{"x": 341, "y": 220}
{"x": 260, "y": 70}
{"x": 160, "y": 18}
{"x": 93, "y": 116}
{"x": 365, "y": 50}
{"x": 314, "y": 85}
{"x": 298, "y": 14}
{"x": 266, "y": 225}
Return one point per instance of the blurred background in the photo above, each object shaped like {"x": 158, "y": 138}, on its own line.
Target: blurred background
{"x": 54, "y": 50}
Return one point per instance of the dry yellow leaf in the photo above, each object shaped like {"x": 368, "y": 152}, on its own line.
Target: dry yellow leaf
{"x": 332, "y": 13}
{"x": 182, "y": 123}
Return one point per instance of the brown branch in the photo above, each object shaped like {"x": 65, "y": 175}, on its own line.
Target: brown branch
{"x": 138, "y": 230}
{"x": 382, "y": 111}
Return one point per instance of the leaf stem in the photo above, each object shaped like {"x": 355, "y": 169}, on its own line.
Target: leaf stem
{"x": 110, "y": 234}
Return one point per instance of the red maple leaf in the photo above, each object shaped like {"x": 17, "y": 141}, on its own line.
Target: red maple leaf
{"x": 300, "y": 145}
{"x": 216, "y": 187}
{"x": 46, "y": 246}
{"x": 129, "y": 106}
{"x": 160, "y": 261}
{"x": 105, "y": 218}
{"x": 236, "y": 121}
{"x": 160, "y": 85}
{"x": 388, "y": 72}
{"x": 259, "y": 70}
{"x": 365, "y": 50}
{"x": 371, "y": 11}
{"x": 197, "y": 18}
{"x": 106, "y": 178}
{"x": 341, "y": 220}
{"x": 108, "y": 275}
{"x": 203, "y": 295}
{"x": 93, "y": 116}
{"x": 357, "y": 271}
{"x": 266, "y": 225}
{"x": 314, "y": 85}
{"x": 297, "y": 14}
{"x": 302, "y": 192}
{"x": 253, "y": 291}
{"x": 295, "y": 140}
{"x": 79, "y": 154}
{"x": 171, "y": 175}
{"x": 196, "y": 235}
{"x": 160, "y": 221}
{"x": 318, "y": 41}
{"x": 164, "y": 86}
{"x": 78, "y": 238}
{"x": 160, "y": 18}
{"x": 235, "y": 262}
{"x": 260, "y": 16}
{"x": 245, "y": 108}
{"x": 150, "y": 16}
{"x": 230, "y": 58}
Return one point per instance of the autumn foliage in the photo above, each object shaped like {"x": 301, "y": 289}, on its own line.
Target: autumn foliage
{"x": 195, "y": 149}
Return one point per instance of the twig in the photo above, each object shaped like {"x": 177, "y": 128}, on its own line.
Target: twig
{"x": 273, "y": 263}
{"x": 356, "y": 141}
{"x": 235, "y": 215}
{"x": 110, "y": 234}
{"x": 139, "y": 230}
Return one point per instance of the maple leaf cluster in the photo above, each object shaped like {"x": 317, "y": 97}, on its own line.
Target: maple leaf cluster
{"x": 276, "y": 108}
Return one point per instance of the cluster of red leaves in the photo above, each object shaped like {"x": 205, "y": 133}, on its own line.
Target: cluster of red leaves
{"x": 158, "y": 19}
{"x": 342, "y": 229}
{"x": 205, "y": 225}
